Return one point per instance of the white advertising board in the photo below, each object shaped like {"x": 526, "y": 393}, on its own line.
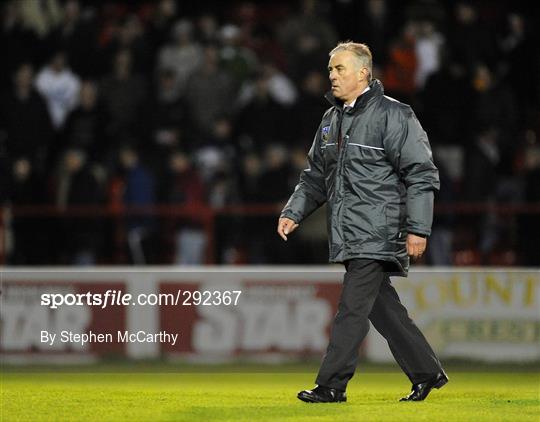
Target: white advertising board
{"x": 280, "y": 313}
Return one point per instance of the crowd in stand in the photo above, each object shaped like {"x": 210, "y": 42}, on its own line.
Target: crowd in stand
{"x": 216, "y": 104}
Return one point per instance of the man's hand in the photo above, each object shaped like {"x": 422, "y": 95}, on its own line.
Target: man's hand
{"x": 286, "y": 226}
{"x": 416, "y": 245}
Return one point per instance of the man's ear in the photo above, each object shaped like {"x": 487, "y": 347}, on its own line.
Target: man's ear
{"x": 363, "y": 74}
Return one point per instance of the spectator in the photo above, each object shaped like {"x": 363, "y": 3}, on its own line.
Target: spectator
{"x": 222, "y": 189}
{"x": 19, "y": 44}
{"x": 262, "y": 120}
{"x": 60, "y": 88}
{"x": 249, "y": 179}
{"x": 167, "y": 122}
{"x": 217, "y": 154}
{"x": 25, "y": 120}
{"x": 40, "y": 17}
{"x": 482, "y": 184}
{"x": 207, "y": 29}
{"x": 266, "y": 46}
{"x": 298, "y": 163}
{"x": 280, "y": 87}
{"x": 161, "y": 21}
{"x": 441, "y": 240}
{"x": 131, "y": 37}
{"x": 274, "y": 180}
{"x": 399, "y": 73}
{"x": 123, "y": 95}
{"x": 310, "y": 107}
{"x": 238, "y": 61}
{"x": 30, "y": 234}
{"x": 376, "y": 28}
{"x": 139, "y": 191}
{"x": 520, "y": 66}
{"x": 447, "y": 107}
{"x": 78, "y": 186}
{"x": 209, "y": 92}
{"x": 76, "y": 35}
{"x": 529, "y": 224}
{"x": 494, "y": 103}
{"x": 482, "y": 160}
{"x": 306, "y": 38}
{"x": 470, "y": 41}
{"x": 85, "y": 125}
{"x": 184, "y": 186}
{"x": 183, "y": 55}
{"x": 274, "y": 186}
{"x": 428, "y": 46}
{"x": 244, "y": 239}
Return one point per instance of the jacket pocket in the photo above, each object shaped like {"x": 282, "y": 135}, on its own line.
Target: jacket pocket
{"x": 393, "y": 224}
{"x": 364, "y": 153}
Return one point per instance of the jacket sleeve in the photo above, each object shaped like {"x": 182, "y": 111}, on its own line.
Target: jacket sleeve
{"x": 408, "y": 149}
{"x": 310, "y": 192}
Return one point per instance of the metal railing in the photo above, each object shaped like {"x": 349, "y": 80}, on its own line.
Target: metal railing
{"x": 206, "y": 216}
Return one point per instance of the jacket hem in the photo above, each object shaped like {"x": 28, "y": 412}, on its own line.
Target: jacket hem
{"x": 397, "y": 270}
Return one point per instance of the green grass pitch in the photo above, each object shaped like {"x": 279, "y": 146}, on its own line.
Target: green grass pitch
{"x": 136, "y": 392}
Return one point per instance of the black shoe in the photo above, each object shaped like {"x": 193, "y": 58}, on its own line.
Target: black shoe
{"x": 421, "y": 390}
{"x": 322, "y": 394}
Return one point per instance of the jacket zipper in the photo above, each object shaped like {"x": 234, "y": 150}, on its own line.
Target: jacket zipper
{"x": 342, "y": 143}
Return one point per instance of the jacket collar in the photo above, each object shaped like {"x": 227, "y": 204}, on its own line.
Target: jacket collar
{"x": 376, "y": 90}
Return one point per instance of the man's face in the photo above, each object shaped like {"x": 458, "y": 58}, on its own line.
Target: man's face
{"x": 24, "y": 76}
{"x": 88, "y": 95}
{"x": 345, "y": 75}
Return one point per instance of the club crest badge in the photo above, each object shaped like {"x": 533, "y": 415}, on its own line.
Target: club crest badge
{"x": 325, "y": 133}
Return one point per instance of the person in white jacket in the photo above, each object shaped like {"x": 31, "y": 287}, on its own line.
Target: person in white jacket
{"x": 60, "y": 88}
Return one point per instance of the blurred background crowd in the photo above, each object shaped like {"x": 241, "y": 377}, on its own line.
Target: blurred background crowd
{"x": 210, "y": 105}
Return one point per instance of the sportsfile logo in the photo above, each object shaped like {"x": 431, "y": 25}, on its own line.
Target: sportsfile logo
{"x": 118, "y": 298}
{"x": 110, "y": 297}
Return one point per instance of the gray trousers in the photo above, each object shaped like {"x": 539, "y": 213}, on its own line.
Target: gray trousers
{"x": 368, "y": 295}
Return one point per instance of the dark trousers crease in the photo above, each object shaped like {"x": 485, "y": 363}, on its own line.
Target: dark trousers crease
{"x": 368, "y": 295}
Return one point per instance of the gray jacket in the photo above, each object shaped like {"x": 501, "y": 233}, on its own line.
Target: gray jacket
{"x": 378, "y": 181}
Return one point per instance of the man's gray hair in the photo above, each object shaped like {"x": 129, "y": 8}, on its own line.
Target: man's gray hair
{"x": 361, "y": 52}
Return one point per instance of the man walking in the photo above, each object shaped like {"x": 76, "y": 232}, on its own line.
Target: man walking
{"x": 371, "y": 163}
